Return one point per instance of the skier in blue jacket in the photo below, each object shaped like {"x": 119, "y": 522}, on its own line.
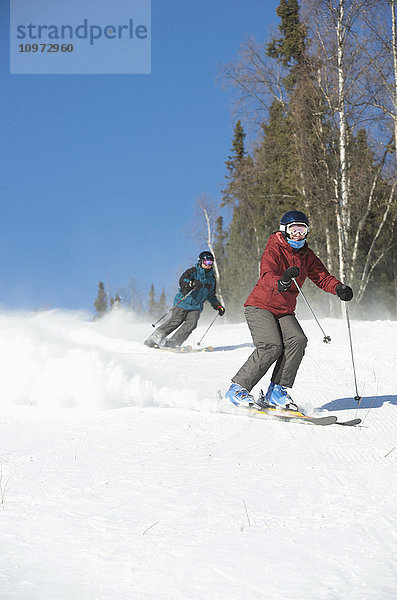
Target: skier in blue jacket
{"x": 196, "y": 285}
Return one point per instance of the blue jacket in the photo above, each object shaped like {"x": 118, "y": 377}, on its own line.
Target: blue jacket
{"x": 196, "y": 299}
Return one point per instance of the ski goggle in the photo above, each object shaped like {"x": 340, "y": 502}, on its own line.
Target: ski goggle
{"x": 297, "y": 228}
{"x": 207, "y": 262}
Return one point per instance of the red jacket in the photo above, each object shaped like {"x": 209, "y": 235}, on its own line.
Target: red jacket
{"x": 277, "y": 257}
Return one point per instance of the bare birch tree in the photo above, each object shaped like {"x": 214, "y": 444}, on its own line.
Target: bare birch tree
{"x": 347, "y": 65}
{"x": 207, "y": 211}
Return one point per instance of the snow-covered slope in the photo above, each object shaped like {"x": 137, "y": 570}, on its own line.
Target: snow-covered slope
{"x": 125, "y": 477}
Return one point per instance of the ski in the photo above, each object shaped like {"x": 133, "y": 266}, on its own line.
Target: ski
{"x": 288, "y": 414}
{"x": 186, "y": 349}
{"x": 191, "y": 349}
{"x": 291, "y": 415}
{"x": 283, "y": 414}
{"x": 350, "y": 423}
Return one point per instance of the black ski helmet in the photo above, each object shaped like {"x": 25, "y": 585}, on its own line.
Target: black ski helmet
{"x": 293, "y": 216}
{"x": 205, "y": 255}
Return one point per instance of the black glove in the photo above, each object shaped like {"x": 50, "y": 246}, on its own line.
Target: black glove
{"x": 221, "y": 310}
{"x": 286, "y": 278}
{"x": 344, "y": 292}
{"x": 195, "y": 284}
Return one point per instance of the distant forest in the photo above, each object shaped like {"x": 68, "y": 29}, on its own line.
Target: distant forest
{"x": 318, "y": 102}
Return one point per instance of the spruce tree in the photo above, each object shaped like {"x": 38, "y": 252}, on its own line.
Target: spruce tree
{"x": 291, "y": 46}
{"x": 240, "y": 265}
{"x": 238, "y": 150}
{"x": 161, "y": 303}
{"x": 152, "y": 303}
{"x": 310, "y": 157}
{"x": 115, "y": 302}
{"x": 234, "y": 166}
{"x": 101, "y": 302}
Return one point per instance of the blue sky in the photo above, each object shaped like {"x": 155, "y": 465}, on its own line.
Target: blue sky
{"x": 100, "y": 173}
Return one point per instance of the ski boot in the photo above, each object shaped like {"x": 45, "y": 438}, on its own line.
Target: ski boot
{"x": 239, "y": 396}
{"x": 171, "y": 344}
{"x": 278, "y": 397}
{"x": 151, "y": 344}
{"x": 266, "y": 398}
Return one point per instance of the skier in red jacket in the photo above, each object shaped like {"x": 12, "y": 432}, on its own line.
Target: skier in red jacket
{"x": 270, "y": 312}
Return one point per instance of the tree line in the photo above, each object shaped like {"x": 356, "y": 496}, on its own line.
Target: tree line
{"x": 321, "y": 98}
{"x": 318, "y": 103}
{"x": 130, "y": 298}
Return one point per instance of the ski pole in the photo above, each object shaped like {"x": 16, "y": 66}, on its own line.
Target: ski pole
{"x": 357, "y": 397}
{"x": 168, "y": 311}
{"x": 326, "y": 338}
{"x": 209, "y": 326}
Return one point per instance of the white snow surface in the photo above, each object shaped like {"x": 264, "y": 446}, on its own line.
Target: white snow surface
{"x": 125, "y": 477}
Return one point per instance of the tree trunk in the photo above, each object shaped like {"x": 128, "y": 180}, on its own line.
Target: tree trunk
{"x": 211, "y": 247}
{"x": 394, "y": 47}
{"x": 344, "y": 209}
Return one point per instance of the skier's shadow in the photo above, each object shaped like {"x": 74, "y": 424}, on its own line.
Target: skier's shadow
{"x": 227, "y": 348}
{"x": 366, "y": 402}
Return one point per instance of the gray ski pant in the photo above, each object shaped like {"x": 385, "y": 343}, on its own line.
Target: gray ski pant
{"x": 186, "y": 320}
{"x": 280, "y": 340}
